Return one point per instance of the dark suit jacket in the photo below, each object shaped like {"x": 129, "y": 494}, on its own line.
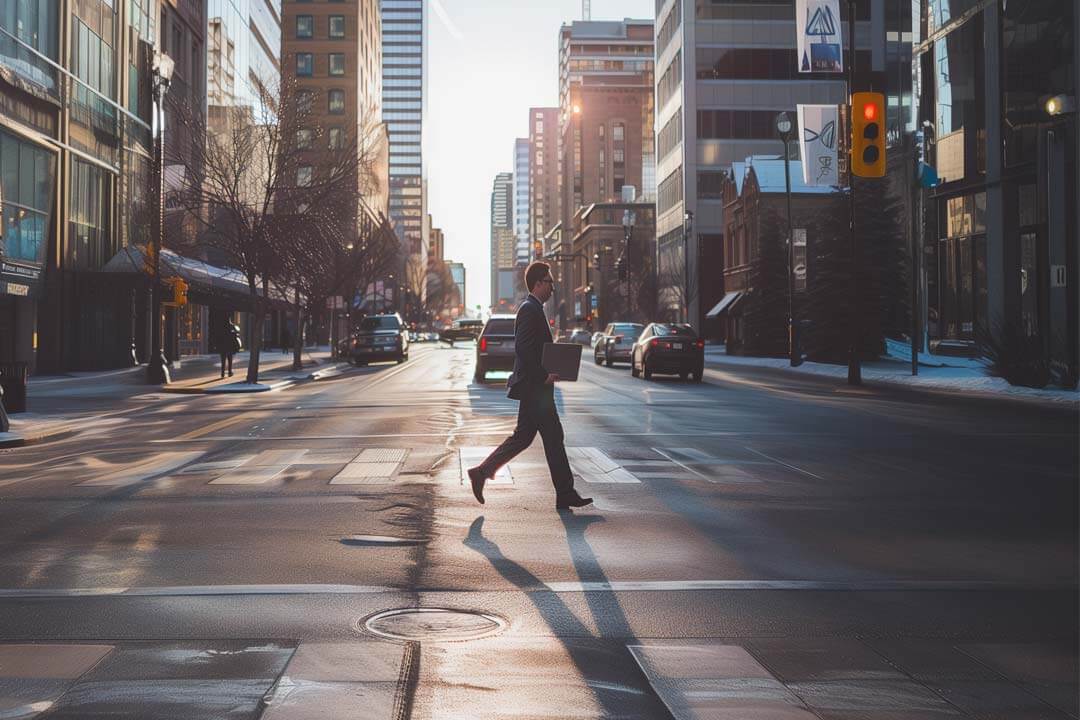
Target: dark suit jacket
{"x": 531, "y": 331}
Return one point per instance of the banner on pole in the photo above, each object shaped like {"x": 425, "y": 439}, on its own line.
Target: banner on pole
{"x": 818, "y": 126}
{"x": 821, "y": 47}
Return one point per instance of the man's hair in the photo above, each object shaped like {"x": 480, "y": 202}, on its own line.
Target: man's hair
{"x": 537, "y": 271}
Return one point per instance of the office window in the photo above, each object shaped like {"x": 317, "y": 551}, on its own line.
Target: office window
{"x": 337, "y": 138}
{"x": 305, "y": 64}
{"x": 336, "y": 101}
{"x": 305, "y": 26}
{"x": 303, "y": 139}
{"x": 303, "y": 176}
{"x": 337, "y": 26}
{"x": 337, "y": 63}
{"x": 617, "y": 132}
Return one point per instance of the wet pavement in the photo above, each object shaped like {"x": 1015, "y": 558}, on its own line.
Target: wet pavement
{"x": 758, "y": 548}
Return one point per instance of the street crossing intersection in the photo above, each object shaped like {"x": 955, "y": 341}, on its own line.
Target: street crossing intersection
{"x": 390, "y": 465}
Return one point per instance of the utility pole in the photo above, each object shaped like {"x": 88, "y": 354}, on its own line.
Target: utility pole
{"x": 854, "y": 363}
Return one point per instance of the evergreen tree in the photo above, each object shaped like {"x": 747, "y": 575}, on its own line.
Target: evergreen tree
{"x": 765, "y": 306}
{"x": 881, "y": 304}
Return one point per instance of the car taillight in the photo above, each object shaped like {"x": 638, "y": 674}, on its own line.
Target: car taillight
{"x": 700, "y": 344}
{"x": 483, "y": 344}
{"x": 654, "y": 343}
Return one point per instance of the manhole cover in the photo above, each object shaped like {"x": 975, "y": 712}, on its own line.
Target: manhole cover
{"x": 433, "y": 624}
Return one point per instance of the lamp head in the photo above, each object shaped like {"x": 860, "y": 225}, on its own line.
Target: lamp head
{"x": 783, "y": 124}
{"x": 1060, "y": 105}
{"x": 162, "y": 67}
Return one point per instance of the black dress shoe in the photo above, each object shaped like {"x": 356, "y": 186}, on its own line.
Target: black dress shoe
{"x": 477, "y": 479}
{"x": 572, "y": 501}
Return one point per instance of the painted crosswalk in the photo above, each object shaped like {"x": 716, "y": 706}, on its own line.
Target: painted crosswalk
{"x": 281, "y": 467}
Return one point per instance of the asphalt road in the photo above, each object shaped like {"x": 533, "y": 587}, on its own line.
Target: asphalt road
{"x": 761, "y": 546}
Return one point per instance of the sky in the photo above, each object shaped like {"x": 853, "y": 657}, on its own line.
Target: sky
{"x": 489, "y": 61}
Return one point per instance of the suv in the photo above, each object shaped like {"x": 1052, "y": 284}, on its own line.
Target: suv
{"x": 462, "y": 330}
{"x": 495, "y": 348}
{"x": 615, "y": 343}
{"x": 380, "y": 337}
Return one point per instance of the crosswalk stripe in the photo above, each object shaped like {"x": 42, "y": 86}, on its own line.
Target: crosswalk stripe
{"x": 471, "y": 456}
{"x": 160, "y": 464}
{"x": 593, "y": 466}
{"x": 250, "y": 475}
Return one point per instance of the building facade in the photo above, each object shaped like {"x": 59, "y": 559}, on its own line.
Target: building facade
{"x": 503, "y": 243}
{"x": 522, "y": 243}
{"x": 544, "y": 178}
{"x": 606, "y": 132}
{"x": 404, "y": 64}
{"x": 75, "y": 162}
{"x": 999, "y": 233}
{"x": 724, "y": 70}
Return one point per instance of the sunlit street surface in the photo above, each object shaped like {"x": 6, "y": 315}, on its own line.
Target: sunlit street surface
{"x": 759, "y": 547}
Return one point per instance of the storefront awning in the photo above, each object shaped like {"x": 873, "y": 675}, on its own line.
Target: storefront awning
{"x": 208, "y": 281}
{"x": 725, "y": 304}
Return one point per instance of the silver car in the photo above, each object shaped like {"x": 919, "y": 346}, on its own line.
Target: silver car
{"x": 495, "y": 346}
{"x": 616, "y": 343}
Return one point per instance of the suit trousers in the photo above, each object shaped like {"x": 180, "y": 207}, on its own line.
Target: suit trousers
{"x": 536, "y": 414}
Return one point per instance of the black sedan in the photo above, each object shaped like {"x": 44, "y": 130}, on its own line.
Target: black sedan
{"x": 672, "y": 348}
{"x": 379, "y": 337}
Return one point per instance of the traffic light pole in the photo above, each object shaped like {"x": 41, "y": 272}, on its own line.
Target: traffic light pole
{"x": 854, "y": 364}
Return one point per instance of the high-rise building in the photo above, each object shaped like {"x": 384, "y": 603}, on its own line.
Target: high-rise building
{"x": 332, "y": 52}
{"x": 503, "y": 242}
{"x": 404, "y": 65}
{"x": 457, "y": 272}
{"x": 605, "y": 128}
{"x": 521, "y": 203}
{"x": 436, "y": 245}
{"x": 544, "y": 205}
{"x": 724, "y": 70}
{"x": 75, "y": 162}
{"x": 999, "y": 234}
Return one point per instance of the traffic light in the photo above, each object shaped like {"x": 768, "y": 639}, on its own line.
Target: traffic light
{"x": 180, "y": 289}
{"x": 868, "y": 134}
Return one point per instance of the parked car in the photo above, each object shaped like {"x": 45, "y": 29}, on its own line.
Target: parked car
{"x": 579, "y": 336}
{"x": 616, "y": 342}
{"x": 462, "y": 330}
{"x": 379, "y": 337}
{"x": 495, "y": 346}
{"x": 596, "y": 337}
{"x": 673, "y": 348}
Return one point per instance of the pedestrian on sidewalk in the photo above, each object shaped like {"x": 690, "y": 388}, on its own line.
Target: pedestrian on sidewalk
{"x": 228, "y": 345}
{"x": 534, "y": 389}
{"x": 286, "y": 345}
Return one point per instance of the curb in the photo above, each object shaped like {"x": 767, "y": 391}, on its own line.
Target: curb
{"x": 335, "y": 370}
{"x": 17, "y": 440}
{"x": 925, "y": 389}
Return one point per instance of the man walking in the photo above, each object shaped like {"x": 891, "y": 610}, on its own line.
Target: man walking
{"x": 534, "y": 388}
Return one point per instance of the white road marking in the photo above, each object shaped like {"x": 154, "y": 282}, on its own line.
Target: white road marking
{"x": 195, "y": 590}
{"x": 472, "y": 456}
{"x": 160, "y": 464}
{"x": 367, "y": 470}
{"x": 373, "y": 466}
{"x": 373, "y": 455}
{"x": 787, "y": 465}
{"x": 684, "y": 467}
{"x": 278, "y": 457}
{"x": 594, "y": 466}
{"x": 206, "y": 467}
{"x": 797, "y": 585}
{"x": 250, "y": 475}
{"x": 697, "y": 679}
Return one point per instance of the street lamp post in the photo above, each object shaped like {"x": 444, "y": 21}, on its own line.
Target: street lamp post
{"x": 688, "y": 229}
{"x": 784, "y": 128}
{"x": 157, "y": 370}
{"x": 628, "y": 232}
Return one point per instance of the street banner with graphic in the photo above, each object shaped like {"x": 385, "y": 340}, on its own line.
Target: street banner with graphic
{"x": 818, "y": 126}
{"x": 821, "y": 47}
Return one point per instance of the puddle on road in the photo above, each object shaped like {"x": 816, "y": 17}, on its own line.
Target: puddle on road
{"x": 379, "y": 541}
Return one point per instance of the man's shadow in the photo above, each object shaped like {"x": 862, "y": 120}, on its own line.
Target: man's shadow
{"x": 608, "y": 618}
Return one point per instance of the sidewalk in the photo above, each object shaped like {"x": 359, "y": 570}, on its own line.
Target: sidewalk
{"x": 945, "y": 375}
{"x": 62, "y": 405}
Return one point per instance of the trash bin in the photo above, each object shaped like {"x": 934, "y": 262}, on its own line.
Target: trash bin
{"x": 13, "y": 379}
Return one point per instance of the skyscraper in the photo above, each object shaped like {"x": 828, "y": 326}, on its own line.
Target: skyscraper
{"x": 332, "y": 52}
{"x": 521, "y": 206}
{"x": 543, "y": 175}
{"x": 404, "y": 64}
{"x": 503, "y": 242}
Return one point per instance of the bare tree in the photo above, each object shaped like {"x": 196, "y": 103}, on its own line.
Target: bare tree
{"x": 677, "y": 284}
{"x": 258, "y": 188}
